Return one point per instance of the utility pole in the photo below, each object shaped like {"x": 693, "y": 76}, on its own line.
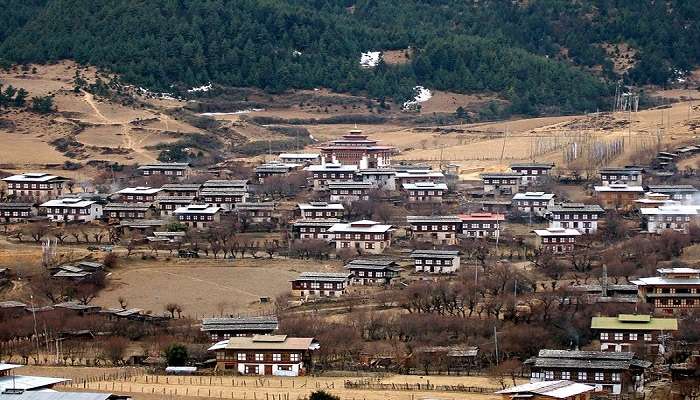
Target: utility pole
{"x": 495, "y": 340}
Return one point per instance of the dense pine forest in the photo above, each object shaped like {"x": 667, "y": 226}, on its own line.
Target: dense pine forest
{"x": 544, "y": 56}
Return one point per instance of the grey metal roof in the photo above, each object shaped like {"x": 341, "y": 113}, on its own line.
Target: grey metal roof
{"x": 373, "y": 264}
{"x": 126, "y": 206}
{"x": 181, "y": 186}
{"x": 11, "y": 304}
{"x": 255, "y": 206}
{"x": 432, "y": 218}
{"x": 265, "y": 323}
{"x": 15, "y": 205}
{"x": 532, "y": 165}
{"x": 434, "y": 253}
{"x": 324, "y": 276}
{"x": 142, "y": 223}
{"x": 673, "y": 188}
{"x": 585, "y": 360}
{"x": 28, "y": 382}
{"x": 577, "y": 207}
{"x": 175, "y": 199}
{"x": 317, "y": 222}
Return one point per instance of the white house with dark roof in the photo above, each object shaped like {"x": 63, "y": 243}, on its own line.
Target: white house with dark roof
{"x": 274, "y": 168}
{"x": 223, "y": 328}
{"x": 300, "y": 158}
{"x": 381, "y": 178}
{"x": 535, "y": 203}
{"x": 371, "y": 271}
{"x": 436, "y": 261}
{"x": 366, "y": 236}
{"x": 424, "y": 192}
{"x": 321, "y": 210}
{"x": 257, "y": 212}
{"x": 325, "y": 174}
{"x": 348, "y": 192}
{"x": 168, "y": 204}
{"x": 16, "y": 212}
{"x": 501, "y": 183}
{"x": 415, "y": 175}
{"x": 531, "y": 172}
{"x": 682, "y": 193}
{"x": 36, "y": 185}
{"x": 198, "y": 215}
{"x": 72, "y": 209}
{"x": 436, "y": 229}
{"x": 675, "y": 217}
{"x": 131, "y": 211}
{"x": 674, "y": 289}
{"x": 629, "y": 175}
{"x": 321, "y": 284}
{"x": 139, "y": 194}
{"x": 314, "y": 228}
{"x": 582, "y": 217}
{"x": 180, "y": 190}
{"x": 224, "y": 197}
{"x": 557, "y": 240}
{"x": 175, "y": 170}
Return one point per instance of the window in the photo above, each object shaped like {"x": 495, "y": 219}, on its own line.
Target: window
{"x": 599, "y": 376}
{"x": 548, "y": 374}
{"x": 259, "y": 356}
{"x": 582, "y": 376}
{"x": 647, "y": 337}
{"x": 615, "y": 377}
{"x": 633, "y": 336}
{"x": 294, "y": 357}
{"x": 241, "y": 357}
{"x": 565, "y": 375}
{"x": 618, "y": 335}
{"x": 604, "y": 336}
{"x": 276, "y": 357}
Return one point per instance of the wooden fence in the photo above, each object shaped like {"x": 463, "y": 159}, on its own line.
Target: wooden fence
{"x": 417, "y": 387}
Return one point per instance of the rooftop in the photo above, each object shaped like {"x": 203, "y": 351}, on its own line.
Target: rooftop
{"x": 576, "y": 207}
{"x": 323, "y": 276}
{"x": 373, "y": 263}
{"x": 533, "y": 196}
{"x": 364, "y": 226}
{"x": 34, "y": 177}
{"x": 634, "y": 322}
{"x": 140, "y": 190}
{"x": 165, "y": 166}
{"x": 434, "y": 253}
{"x": 321, "y": 206}
{"x": 557, "y": 232}
{"x": 482, "y": 217}
{"x": 412, "y": 219}
{"x": 268, "y": 342}
{"x": 424, "y": 186}
{"x": 240, "y": 323}
{"x": 559, "y": 389}
{"x": 68, "y": 203}
{"x": 618, "y": 187}
{"x": 197, "y": 209}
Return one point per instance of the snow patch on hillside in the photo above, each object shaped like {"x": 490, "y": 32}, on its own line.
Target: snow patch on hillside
{"x": 370, "y": 59}
{"x": 421, "y": 95}
{"x": 204, "y": 88}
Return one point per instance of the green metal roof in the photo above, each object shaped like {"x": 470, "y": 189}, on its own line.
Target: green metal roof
{"x": 635, "y": 322}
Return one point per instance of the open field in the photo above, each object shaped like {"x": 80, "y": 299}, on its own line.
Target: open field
{"x": 270, "y": 388}
{"x": 204, "y": 286}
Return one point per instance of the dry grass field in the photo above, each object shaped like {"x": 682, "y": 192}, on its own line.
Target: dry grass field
{"x": 272, "y": 388}
{"x": 204, "y": 287}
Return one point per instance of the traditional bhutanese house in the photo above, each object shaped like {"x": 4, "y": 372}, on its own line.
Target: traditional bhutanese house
{"x": 629, "y": 175}
{"x": 557, "y": 240}
{"x": 175, "y": 170}
{"x": 225, "y": 198}
{"x": 320, "y": 284}
{"x": 227, "y": 327}
{"x": 348, "y": 192}
{"x": 139, "y": 194}
{"x": 367, "y": 236}
{"x": 502, "y": 183}
{"x": 675, "y": 289}
{"x": 582, "y": 217}
{"x": 424, "y": 192}
{"x": 12, "y": 309}
{"x": 180, "y": 190}
{"x": 72, "y": 209}
{"x": 548, "y": 390}
{"x": 198, "y": 215}
{"x": 226, "y": 184}
{"x": 482, "y": 225}
{"x": 496, "y": 206}
{"x": 325, "y": 174}
{"x": 612, "y": 372}
{"x": 618, "y": 196}
{"x": 300, "y": 158}
{"x": 381, "y": 178}
{"x": 78, "y": 271}
{"x": 436, "y": 229}
{"x": 455, "y": 358}
{"x": 436, "y": 261}
{"x": 651, "y": 199}
{"x": 533, "y": 202}
{"x": 77, "y": 308}
{"x": 274, "y": 168}
{"x": 321, "y": 210}
{"x": 683, "y": 193}
{"x": 531, "y": 172}
{"x": 257, "y": 212}
{"x": 357, "y": 149}
{"x": 369, "y": 271}
{"x": 673, "y": 217}
{"x": 130, "y": 211}
{"x": 404, "y": 176}
{"x": 16, "y": 212}
{"x": 168, "y": 204}
{"x": 141, "y": 226}
{"x": 272, "y": 355}
{"x": 24, "y": 384}
{"x": 316, "y": 228}
{"x": 38, "y": 186}
{"x": 626, "y": 332}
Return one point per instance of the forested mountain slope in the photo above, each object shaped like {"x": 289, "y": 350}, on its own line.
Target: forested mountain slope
{"x": 545, "y": 56}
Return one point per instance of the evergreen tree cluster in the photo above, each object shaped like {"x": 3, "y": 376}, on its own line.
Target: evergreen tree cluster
{"x": 541, "y": 54}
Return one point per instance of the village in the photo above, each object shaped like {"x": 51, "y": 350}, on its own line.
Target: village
{"x": 575, "y": 284}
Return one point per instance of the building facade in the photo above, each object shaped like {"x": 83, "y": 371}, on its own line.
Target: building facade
{"x": 175, "y": 170}
{"x": 630, "y": 175}
{"x": 424, "y": 192}
{"x": 198, "y": 215}
{"x": 618, "y": 196}
{"x": 223, "y": 328}
{"x": 132, "y": 211}
{"x": 38, "y": 186}
{"x": 270, "y": 355}
{"x": 534, "y": 203}
{"x": 501, "y": 183}
{"x": 675, "y": 289}
{"x": 365, "y": 236}
{"x": 72, "y": 209}
{"x": 373, "y": 271}
{"x": 435, "y": 229}
{"x": 557, "y": 240}
{"x": 673, "y": 217}
{"x": 316, "y": 228}
{"x": 257, "y": 212}
{"x": 357, "y": 149}
{"x": 582, "y": 217}
{"x": 16, "y": 212}
{"x": 482, "y": 225}
{"x": 325, "y": 174}
{"x": 436, "y": 261}
{"x": 321, "y": 284}
{"x": 627, "y": 332}
{"x": 531, "y": 172}
{"x": 139, "y": 194}
{"x": 321, "y": 210}
{"x": 348, "y": 192}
